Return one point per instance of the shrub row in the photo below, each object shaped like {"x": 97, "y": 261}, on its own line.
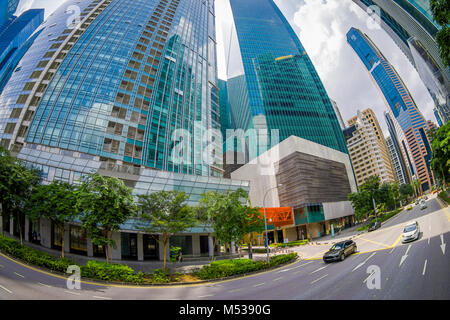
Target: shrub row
{"x": 382, "y": 218}
{"x": 290, "y": 244}
{"x": 443, "y": 196}
{"x": 227, "y": 268}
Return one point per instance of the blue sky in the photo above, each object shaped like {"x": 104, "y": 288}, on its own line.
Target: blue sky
{"x": 321, "y": 26}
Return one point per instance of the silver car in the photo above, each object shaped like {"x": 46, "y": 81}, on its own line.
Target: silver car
{"x": 411, "y": 232}
{"x": 423, "y": 204}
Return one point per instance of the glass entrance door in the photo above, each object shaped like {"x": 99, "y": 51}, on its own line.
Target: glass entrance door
{"x": 129, "y": 246}
{"x": 151, "y": 249}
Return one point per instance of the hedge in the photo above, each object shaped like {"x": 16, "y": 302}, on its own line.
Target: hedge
{"x": 290, "y": 244}
{"x": 227, "y": 268}
{"x": 443, "y": 196}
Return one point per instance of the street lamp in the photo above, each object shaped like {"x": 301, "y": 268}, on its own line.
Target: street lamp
{"x": 265, "y": 220}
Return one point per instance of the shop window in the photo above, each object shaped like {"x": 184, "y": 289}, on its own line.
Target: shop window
{"x": 78, "y": 240}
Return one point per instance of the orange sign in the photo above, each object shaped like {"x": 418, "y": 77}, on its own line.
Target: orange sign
{"x": 279, "y": 216}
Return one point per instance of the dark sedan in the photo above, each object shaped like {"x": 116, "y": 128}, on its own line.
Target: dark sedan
{"x": 339, "y": 251}
{"x": 374, "y": 226}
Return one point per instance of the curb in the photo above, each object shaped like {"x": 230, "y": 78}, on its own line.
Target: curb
{"x": 103, "y": 282}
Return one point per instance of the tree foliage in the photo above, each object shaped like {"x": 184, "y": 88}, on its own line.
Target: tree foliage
{"x": 440, "y": 161}
{"x": 104, "y": 204}
{"x": 165, "y": 213}
{"x": 441, "y": 14}
{"x": 57, "y": 202}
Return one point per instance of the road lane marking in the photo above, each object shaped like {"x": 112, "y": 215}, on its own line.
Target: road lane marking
{"x": 278, "y": 279}
{"x": 302, "y": 265}
{"x": 258, "y": 285}
{"x": 284, "y": 270}
{"x": 45, "y": 285}
{"x": 319, "y": 279}
{"x": 362, "y": 263}
{"x": 369, "y": 276}
{"x": 235, "y": 290}
{"x": 74, "y": 293}
{"x": 442, "y": 244}
{"x": 424, "y": 267}
{"x": 206, "y": 295}
{"x": 19, "y": 275}
{"x": 392, "y": 250}
{"x": 318, "y": 270}
{"x": 9, "y": 291}
{"x": 428, "y": 240}
{"x": 376, "y": 242}
{"x": 1, "y": 266}
{"x": 404, "y": 256}
{"x": 104, "y": 298}
{"x": 396, "y": 241}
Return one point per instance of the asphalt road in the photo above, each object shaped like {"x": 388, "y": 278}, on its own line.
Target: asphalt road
{"x": 416, "y": 270}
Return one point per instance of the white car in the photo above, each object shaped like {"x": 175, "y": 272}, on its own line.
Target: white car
{"x": 423, "y": 204}
{"x": 411, "y": 232}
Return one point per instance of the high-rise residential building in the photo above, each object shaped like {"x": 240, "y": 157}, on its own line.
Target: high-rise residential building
{"x": 411, "y": 25}
{"x": 274, "y": 85}
{"x": 7, "y": 9}
{"x": 367, "y": 148}
{"x": 15, "y": 41}
{"x": 406, "y": 166}
{"x": 127, "y": 89}
{"x": 396, "y": 161}
{"x": 338, "y": 114}
{"x": 409, "y": 122}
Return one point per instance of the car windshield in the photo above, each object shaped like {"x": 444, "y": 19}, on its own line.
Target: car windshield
{"x": 410, "y": 228}
{"x": 337, "y": 246}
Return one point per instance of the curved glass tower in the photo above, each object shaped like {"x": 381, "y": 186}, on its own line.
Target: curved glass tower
{"x": 124, "y": 87}
{"x": 282, "y": 89}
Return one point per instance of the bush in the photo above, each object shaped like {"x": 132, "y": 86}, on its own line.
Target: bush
{"x": 443, "y": 196}
{"x": 160, "y": 276}
{"x": 38, "y": 258}
{"x": 227, "y": 268}
{"x": 409, "y": 208}
{"x": 110, "y": 272}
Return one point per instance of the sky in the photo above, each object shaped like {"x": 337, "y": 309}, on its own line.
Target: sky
{"x": 321, "y": 26}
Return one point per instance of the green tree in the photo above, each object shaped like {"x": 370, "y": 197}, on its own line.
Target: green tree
{"x": 104, "y": 204}
{"x": 440, "y": 161}
{"x": 57, "y": 202}
{"x": 406, "y": 190}
{"x": 165, "y": 213}
{"x": 362, "y": 203}
{"x": 16, "y": 184}
{"x": 441, "y": 14}
{"x": 253, "y": 222}
{"x": 227, "y": 214}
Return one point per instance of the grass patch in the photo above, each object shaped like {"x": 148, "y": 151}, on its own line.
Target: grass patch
{"x": 443, "y": 196}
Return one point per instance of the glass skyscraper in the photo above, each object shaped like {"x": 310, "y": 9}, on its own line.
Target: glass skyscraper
{"x": 15, "y": 40}
{"x": 128, "y": 88}
{"x": 410, "y": 24}
{"x": 7, "y": 9}
{"x": 277, "y": 87}
{"x": 409, "y": 123}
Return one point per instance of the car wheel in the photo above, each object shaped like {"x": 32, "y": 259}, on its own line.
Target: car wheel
{"x": 342, "y": 257}
{"x": 354, "y": 249}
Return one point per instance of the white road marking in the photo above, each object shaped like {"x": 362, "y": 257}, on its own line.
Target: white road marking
{"x": 319, "y": 279}
{"x": 301, "y": 266}
{"x": 258, "y": 285}
{"x": 43, "y": 284}
{"x": 392, "y": 250}
{"x": 404, "y": 256}
{"x": 318, "y": 270}
{"x": 362, "y": 263}
{"x": 424, "y": 267}
{"x": 71, "y": 292}
{"x": 284, "y": 270}
{"x": 442, "y": 244}
{"x": 235, "y": 290}
{"x": 428, "y": 240}
{"x": 105, "y": 298}
{"x": 369, "y": 276}
{"x": 5, "y": 289}
{"x": 1, "y": 266}
{"x": 206, "y": 295}
{"x": 278, "y": 279}
{"x": 19, "y": 275}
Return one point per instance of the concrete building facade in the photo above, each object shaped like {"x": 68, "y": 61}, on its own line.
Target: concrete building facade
{"x": 310, "y": 178}
{"x": 367, "y": 147}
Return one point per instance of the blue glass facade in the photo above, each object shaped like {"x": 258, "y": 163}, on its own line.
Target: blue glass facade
{"x": 15, "y": 41}
{"x": 111, "y": 91}
{"x": 7, "y": 9}
{"x": 409, "y": 122}
{"x": 281, "y": 84}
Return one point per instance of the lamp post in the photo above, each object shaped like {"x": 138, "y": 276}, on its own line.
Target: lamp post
{"x": 265, "y": 220}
